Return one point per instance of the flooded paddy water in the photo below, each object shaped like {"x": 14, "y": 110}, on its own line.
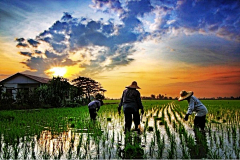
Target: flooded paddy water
{"x": 68, "y": 133}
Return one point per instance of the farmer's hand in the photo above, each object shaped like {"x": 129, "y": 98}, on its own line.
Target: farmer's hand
{"x": 119, "y": 110}
{"x": 186, "y": 117}
{"x": 142, "y": 111}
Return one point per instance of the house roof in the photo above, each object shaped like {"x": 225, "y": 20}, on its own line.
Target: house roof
{"x": 36, "y": 78}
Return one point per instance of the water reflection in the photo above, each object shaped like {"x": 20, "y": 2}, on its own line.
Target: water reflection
{"x": 56, "y": 144}
{"x": 79, "y": 144}
{"x": 132, "y": 148}
{"x": 200, "y": 150}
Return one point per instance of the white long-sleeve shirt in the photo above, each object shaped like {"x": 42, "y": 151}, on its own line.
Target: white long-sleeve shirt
{"x": 196, "y": 106}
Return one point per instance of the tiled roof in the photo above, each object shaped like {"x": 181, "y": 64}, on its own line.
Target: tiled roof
{"x": 39, "y": 79}
{"x": 36, "y": 78}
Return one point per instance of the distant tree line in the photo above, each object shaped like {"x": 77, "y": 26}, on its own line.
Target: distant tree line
{"x": 58, "y": 92}
{"x": 165, "y": 97}
{"x": 158, "y": 97}
{"x": 221, "y": 98}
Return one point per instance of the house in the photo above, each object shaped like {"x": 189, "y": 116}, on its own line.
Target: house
{"x": 21, "y": 81}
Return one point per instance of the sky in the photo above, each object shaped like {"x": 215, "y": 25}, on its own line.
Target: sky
{"x": 166, "y": 46}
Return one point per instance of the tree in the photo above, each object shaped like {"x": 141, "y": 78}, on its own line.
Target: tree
{"x": 1, "y": 91}
{"x": 58, "y": 90}
{"x": 99, "y": 96}
{"x": 160, "y": 96}
{"x": 152, "y": 96}
{"x": 87, "y": 86}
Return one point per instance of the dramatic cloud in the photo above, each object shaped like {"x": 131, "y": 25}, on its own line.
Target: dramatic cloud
{"x": 33, "y": 42}
{"x": 71, "y": 35}
{"x": 221, "y": 18}
{"x": 108, "y": 6}
{"x": 26, "y": 54}
{"x": 139, "y": 7}
{"x": 110, "y": 43}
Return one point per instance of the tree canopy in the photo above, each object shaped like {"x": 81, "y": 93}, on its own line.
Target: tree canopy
{"x": 88, "y": 86}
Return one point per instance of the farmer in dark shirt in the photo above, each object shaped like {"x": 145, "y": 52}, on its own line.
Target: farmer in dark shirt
{"x": 94, "y": 107}
{"x": 131, "y": 102}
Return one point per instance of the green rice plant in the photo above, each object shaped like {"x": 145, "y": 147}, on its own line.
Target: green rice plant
{"x": 32, "y": 148}
{"x": 169, "y": 116}
{"x": 234, "y": 132}
{"x": 151, "y": 148}
{"x": 6, "y": 151}
{"x": 172, "y": 151}
{"x": 214, "y": 154}
{"x": 70, "y": 152}
{"x": 16, "y": 150}
{"x": 157, "y": 114}
{"x": 112, "y": 139}
{"x": 160, "y": 144}
{"x": 214, "y": 121}
{"x": 237, "y": 152}
{"x": 79, "y": 144}
{"x": 221, "y": 141}
{"x": 146, "y": 125}
{"x": 174, "y": 126}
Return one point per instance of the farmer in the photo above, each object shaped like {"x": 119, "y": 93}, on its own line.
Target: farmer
{"x": 194, "y": 105}
{"x": 94, "y": 107}
{"x": 131, "y": 102}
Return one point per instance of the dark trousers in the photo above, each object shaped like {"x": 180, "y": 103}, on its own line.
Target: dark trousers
{"x": 130, "y": 115}
{"x": 93, "y": 114}
{"x": 200, "y": 122}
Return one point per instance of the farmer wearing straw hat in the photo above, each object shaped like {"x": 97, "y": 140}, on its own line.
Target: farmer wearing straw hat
{"x": 131, "y": 102}
{"x": 194, "y": 105}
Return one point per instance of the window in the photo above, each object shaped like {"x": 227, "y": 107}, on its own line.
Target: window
{"x": 9, "y": 91}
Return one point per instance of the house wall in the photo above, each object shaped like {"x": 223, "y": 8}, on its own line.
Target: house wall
{"x": 19, "y": 82}
{"x": 11, "y": 86}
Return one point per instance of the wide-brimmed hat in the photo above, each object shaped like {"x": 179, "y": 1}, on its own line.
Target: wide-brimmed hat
{"x": 133, "y": 85}
{"x": 184, "y": 95}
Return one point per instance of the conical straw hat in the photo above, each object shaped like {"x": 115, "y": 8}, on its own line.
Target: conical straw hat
{"x": 185, "y": 94}
{"x": 133, "y": 85}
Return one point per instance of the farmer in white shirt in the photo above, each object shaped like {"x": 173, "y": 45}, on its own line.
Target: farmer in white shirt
{"x": 194, "y": 105}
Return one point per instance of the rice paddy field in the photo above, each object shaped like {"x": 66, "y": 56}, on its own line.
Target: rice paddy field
{"x": 68, "y": 133}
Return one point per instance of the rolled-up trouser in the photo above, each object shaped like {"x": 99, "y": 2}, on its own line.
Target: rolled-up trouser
{"x": 200, "y": 122}
{"x": 130, "y": 114}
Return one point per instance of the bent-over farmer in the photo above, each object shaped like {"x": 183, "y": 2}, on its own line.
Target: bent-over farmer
{"x": 131, "y": 102}
{"x": 94, "y": 107}
{"x": 194, "y": 105}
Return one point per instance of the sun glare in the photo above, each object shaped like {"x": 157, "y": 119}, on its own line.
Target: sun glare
{"x": 58, "y": 71}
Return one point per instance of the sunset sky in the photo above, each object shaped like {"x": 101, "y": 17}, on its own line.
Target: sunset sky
{"x": 166, "y": 46}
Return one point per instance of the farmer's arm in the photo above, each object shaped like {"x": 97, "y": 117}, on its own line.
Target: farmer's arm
{"x": 121, "y": 103}
{"x": 98, "y": 104}
{"x": 139, "y": 102}
{"x": 190, "y": 107}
